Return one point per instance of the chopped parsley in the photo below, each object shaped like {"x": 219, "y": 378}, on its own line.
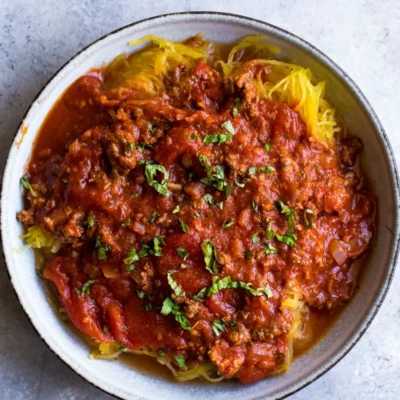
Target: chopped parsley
{"x": 182, "y": 253}
{"x": 174, "y": 285}
{"x": 25, "y": 183}
{"x": 150, "y": 172}
{"x": 218, "y": 327}
{"x": 210, "y": 256}
{"x": 170, "y": 307}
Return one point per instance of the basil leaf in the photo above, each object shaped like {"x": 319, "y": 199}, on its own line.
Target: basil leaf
{"x": 150, "y": 172}
{"x": 210, "y": 256}
{"x": 229, "y": 127}
{"x": 105, "y": 329}
{"x": 270, "y": 249}
{"x": 174, "y": 285}
{"x": 234, "y": 112}
{"x": 153, "y": 217}
{"x": 158, "y": 241}
{"x": 180, "y": 361}
{"x": 102, "y": 248}
{"x": 168, "y": 307}
{"x": 182, "y": 253}
{"x": 203, "y": 161}
{"x": 208, "y": 199}
{"x": 248, "y": 254}
{"x": 252, "y": 171}
{"x": 309, "y": 220}
{"x": 268, "y": 291}
{"x": 176, "y": 210}
{"x": 90, "y": 221}
{"x": 126, "y": 223}
{"x": 25, "y": 183}
{"x": 130, "y": 268}
{"x": 255, "y": 239}
{"x": 289, "y": 214}
{"x": 218, "y": 327}
{"x": 268, "y": 169}
{"x": 290, "y": 240}
{"x": 132, "y": 257}
{"x": 227, "y": 224}
{"x": 267, "y": 147}
{"x": 184, "y": 226}
{"x": 238, "y": 102}
{"x": 161, "y": 353}
{"x": 140, "y": 294}
{"x": 86, "y": 287}
{"x": 241, "y": 185}
{"x": 254, "y": 205}
{"x": 217, "y": 138}
{"x": 147, "y": 307}
{"x": 247, "y": 287}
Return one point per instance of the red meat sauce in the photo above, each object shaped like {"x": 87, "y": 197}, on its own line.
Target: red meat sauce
{"x": 88, "y": 172}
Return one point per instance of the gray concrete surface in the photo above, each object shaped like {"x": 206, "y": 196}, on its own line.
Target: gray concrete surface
{"x": 37, "y": 37}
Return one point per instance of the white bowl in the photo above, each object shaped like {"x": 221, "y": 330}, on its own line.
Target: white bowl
{"x": 119, "y": 378}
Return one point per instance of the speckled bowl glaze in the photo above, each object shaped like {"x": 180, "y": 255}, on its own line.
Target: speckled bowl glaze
{"x": 122, "y": 380}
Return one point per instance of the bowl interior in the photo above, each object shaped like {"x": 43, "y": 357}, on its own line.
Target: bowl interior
{"x": 125, "y": 381}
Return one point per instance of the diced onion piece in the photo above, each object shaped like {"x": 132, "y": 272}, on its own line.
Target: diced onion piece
{"x": 337, "y": 251}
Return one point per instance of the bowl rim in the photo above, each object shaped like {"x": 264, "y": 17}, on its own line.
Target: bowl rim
{"x": 361, "y": 98}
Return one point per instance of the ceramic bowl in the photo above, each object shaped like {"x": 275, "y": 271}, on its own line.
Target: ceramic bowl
{"x": 127, "y": 382}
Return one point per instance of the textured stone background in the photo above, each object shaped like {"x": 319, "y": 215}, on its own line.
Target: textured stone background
{"x": 39, "y": 36}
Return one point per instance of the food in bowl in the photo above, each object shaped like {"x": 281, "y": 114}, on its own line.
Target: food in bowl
{"x": 200, "y": 204}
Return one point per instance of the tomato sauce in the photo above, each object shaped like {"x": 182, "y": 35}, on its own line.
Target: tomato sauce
{"x": 148, "y": 209}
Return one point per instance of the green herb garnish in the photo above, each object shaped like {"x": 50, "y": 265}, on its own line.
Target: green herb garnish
{"x": 229, "y": 127}
{"x": 174, "y": 285}
{"x": 153, "y": 217}
{"x": 180, "y": 361}
{"x": 255, "y": 239}
{"x": 309, "y": 217}
{"x": 218, "y": 327}
{"x": 25, "y": 183}
{"x": 102, "y": 248}
{"x": 184, "y": 225}
{"x": 217, "y": 138}
{"x": 182, "y": 253}
{"x": 150, "y": 172}
{"x": 269, "y": 249}
{"x": 170, "y": 307}
{"x": 126, "y": 223}
{"x": 210, "y": 256}
{"x": 227, "y": 224}
{"x": 208, "y": 199}
{"x": 268, "y": 169}
{"x": 267, "y": 147}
